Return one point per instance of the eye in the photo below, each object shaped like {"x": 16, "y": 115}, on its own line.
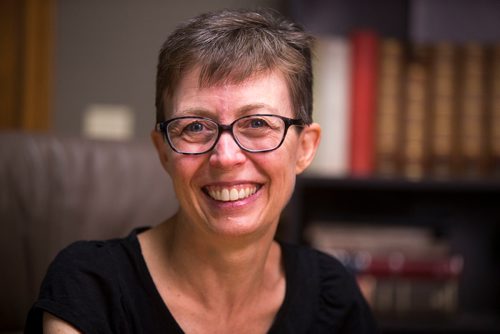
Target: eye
{"x": 257, "y": 123}
{"x": 194, "y": 127}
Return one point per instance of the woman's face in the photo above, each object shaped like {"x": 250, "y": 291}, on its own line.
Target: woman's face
{"x": 258, "y": 184}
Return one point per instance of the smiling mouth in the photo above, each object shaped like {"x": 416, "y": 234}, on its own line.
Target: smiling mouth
{"x": 230, "y": 194}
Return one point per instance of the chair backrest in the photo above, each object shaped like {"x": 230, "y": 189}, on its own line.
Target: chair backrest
{"x": 57, "y": 190}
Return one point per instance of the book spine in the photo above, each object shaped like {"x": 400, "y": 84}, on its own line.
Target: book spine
{"x": 402, "y": 288}
{"x": 402, "y": 271}
{"x": 397, "y": 298}
{"x": 397, "y": 265}
{"x": 415, "y": 126}
{"x": 363, "y": 100}
{"x": 472, "y": 111}
{"x": 388, "y": 113}
{"x": 494, "y": 114}
{"x": 331, "y": 86}
{"x": 443, "y": 128}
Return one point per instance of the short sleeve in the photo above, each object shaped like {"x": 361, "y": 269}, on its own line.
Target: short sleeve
{"x": 342, "y": 307}
{"x": 81, "y": 288}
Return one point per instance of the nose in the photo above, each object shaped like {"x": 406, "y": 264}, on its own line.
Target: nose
{"x": 226, "y": 153}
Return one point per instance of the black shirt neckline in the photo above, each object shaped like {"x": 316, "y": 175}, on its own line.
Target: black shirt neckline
{"x": 287, "y": 262}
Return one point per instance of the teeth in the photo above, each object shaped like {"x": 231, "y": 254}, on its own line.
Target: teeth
{"x": 225, "y": 195}
{"x": 231, "y": 194}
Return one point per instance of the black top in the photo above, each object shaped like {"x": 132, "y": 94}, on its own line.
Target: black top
{"x": 105, "y": 287}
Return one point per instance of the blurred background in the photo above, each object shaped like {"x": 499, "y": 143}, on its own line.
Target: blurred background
{"x": 405, "y": 188}
{"x": 63, "y": 61}
{"x": 67, "y": 64}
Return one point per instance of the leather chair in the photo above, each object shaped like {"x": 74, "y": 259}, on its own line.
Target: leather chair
{"x": 54, "y": 191}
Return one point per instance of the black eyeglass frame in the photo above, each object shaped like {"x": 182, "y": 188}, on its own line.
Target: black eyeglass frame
{"x": 221, "y": 128}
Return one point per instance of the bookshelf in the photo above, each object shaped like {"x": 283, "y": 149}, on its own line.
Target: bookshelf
{"x": 461, "y": 210}
{"x": 466, "y": 213}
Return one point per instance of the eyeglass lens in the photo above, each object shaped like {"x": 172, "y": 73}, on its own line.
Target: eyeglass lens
{"x": 252, "y": 133}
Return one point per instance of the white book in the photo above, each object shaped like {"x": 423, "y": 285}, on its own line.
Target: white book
{"x": 331, "y": 90}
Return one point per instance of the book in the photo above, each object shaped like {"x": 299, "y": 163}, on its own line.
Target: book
{"x": 493, "y": 141}
{"x": 345, "y": 240}
{"x": 389, "y": 106}
{"x": 364, "y": 60}
{"x": 443, "y": 111}
{"x": 415, "y": 115}
{"x": 331, "y": 72}
{"x": 472, "y": 111}
{"x": 398, "y": 265}
{"x": 403, "y": 271}
{"x": 397, "y": 298}
{"x": 401, "y": 288}
{"x": 395, "y": 109}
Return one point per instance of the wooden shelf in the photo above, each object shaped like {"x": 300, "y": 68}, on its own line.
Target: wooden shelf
{"x": 398, "y": 201}
{"x": 391, "y": 184}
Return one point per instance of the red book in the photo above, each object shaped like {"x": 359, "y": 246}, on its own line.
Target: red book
{"x": 363, "y": 102}
{"x": 396, "y": 265}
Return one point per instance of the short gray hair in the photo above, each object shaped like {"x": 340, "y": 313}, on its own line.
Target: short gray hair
{"x": 232, "y": 45}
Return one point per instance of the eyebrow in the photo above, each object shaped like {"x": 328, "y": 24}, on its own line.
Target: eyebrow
{"x": 242, "y": 111}
{"x": 246, "y": 109}
{"x": 200, "y": 112}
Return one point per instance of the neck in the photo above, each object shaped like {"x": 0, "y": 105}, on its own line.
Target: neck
{"x": 232, "y": 268}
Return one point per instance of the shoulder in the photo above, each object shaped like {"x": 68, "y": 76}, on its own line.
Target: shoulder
{"x": 85, "y": 262}
{"x": 87, "y": 255}
{"x": 336, "y": 281}
{"x": 333, "y": 281}
{"x": 325, "y": 268}
{"x": 335, "y": 300}
{"x": 82, "y": 283}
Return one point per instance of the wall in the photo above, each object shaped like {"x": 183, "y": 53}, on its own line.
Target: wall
{"x": 106, "y": 54}
{"x": 340, "y": 17}
{"x": 455, "y": 20}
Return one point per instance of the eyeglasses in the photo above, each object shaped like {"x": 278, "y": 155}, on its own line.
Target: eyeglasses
{"x": 252, "y": 133}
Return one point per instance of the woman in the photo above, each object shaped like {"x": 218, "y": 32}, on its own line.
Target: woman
{"x": 234, "y": 129}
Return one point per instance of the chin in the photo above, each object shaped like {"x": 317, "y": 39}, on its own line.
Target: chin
{"x": 236, "y": 227}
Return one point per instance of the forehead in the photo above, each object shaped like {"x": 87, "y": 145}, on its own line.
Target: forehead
{"x": 267, "y": 89}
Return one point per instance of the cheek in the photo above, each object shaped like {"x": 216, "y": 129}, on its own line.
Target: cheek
{"x": 289, "y": 153}
{"x": 289, "y": 163}
{"x": 179, "y": 165}
{"x": 280, "y": 166}
{"x": 181, "y": 170}
{"x": 282, "y": 182}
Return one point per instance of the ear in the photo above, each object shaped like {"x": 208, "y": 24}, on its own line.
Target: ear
{"x": 308, "y": 143}
{"x": 159, "y": 142}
